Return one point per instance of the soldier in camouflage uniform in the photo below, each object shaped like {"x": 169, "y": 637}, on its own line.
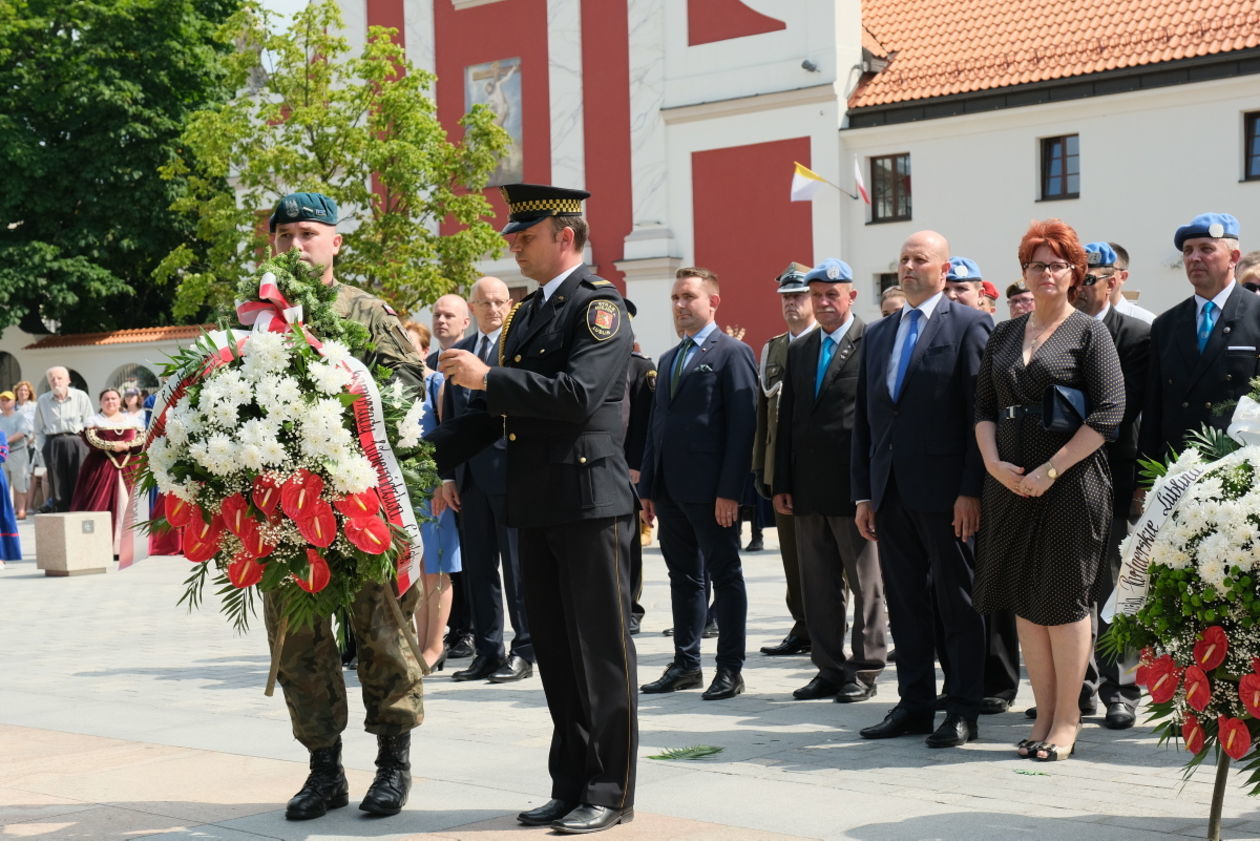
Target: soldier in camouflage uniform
{"x": 310, "y": 664}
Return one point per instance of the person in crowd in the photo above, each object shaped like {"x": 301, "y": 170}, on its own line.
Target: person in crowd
{"x": 1248, "y": 271}
{"x": 812, "y": 484}
{"x": 114, "y": 439}
{"x": 697, "y": 457}
{"x": 963, "y": 283}
{"x": 1019, "y": 299}
{"x": 1204, "y": 350}
{"x": 10, "y": 542}
{"x": 450, "y": 321}
{"x": 891, "y": 300}
{"x": 637, "y": 411}
{"x": 60, "y": 416}
{"x": 16, "y": 427}
{"x": 916, "y": 479}
{"x": 310, "y": 665}
{"x": 133, "y": 404}
{"x": 1118, "y": 299}
{"x": 988, "y": 297}
{"x": 24, "y": 403}
{"x": 798, "y": 315}
{"x": 1047, "y": 498}
{"x": 477, "y": 489}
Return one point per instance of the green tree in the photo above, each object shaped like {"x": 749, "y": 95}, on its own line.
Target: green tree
{"x": 362, "y": 129}
{"x": 92, "y": 98}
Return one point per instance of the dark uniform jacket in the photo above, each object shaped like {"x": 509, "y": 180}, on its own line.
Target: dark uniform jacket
{"x": 557, "y": 399}
{"x": 640, "y": 386}
{"x": 774, "y": 363}
{"x": 486, "y": 468}
{"x": 1133, "y": 345}
{"x": 1186, "y": 389}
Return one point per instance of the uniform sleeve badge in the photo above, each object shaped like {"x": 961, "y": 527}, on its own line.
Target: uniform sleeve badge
{"x": 603, "y": 319}
{"x": 651, "y": 380}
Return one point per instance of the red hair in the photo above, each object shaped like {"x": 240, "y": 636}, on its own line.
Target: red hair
{"x": 1061, "y": 238}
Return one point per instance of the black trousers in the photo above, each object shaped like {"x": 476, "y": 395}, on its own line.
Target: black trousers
{"x": 786, "y": 526}
{"x": 485, "y": 540}
{"x": 63, "y": 455}
{"x": 577, "y": 594}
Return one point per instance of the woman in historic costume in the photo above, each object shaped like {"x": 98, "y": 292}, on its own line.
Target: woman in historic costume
{"x": 105, "y": 478}
{"x": 10, "y": 546}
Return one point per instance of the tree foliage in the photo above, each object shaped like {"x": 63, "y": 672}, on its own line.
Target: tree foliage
{"x": 362, "y": 129}
{"x": 93, "y": 94}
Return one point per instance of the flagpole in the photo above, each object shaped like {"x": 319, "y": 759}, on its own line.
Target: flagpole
{"x": 853, "y": 196}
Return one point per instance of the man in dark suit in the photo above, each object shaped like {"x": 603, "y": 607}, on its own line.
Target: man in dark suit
{"x": 811, "y": 485}
{"x": 477, "y": 490}
{"x": 557, "y": 397}
{"x": 1132, "y": 338}
{"x": 697, "y": 458}
{"x": 1204, "y": 351}
{"x": 916, "y": 478}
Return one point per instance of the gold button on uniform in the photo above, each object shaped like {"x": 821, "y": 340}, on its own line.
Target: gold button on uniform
{"x": 511, "y": 436}
{"x": 516, "y": 358}
{"x": 581, "y": 459}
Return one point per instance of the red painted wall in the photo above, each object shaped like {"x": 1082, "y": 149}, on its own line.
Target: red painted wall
{"x": 747, "y": 230}
{"x": 388, "y": 13}
{"x": 721, "y": 20}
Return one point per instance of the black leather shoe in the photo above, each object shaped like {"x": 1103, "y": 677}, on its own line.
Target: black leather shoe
{"x": 460, "y": 646}
{"x": 636, "y": 624}
{"x": 954, "y": 731}
{"x": 516, "y": 668}
{"x": 898, "y": 722}
{"x": 726, "y": 684}
{"x": 324, "y": 789}
{"x": 480, "y": 668}
{"x": 586, "y": 819}
{"x": 993, "y": 705}
{"x": 674, "y": 679}
{"x": 710, "y": 631}
{"x": 755, "y": 545}
{"x": 388, "y": 792}
{"x": 552, "y": 810}
{"x": 790, "y": 645}
{"x": 817, "y": 688}
{"x": 1119, "y": 716}
{"x": 940, "y": 703}
{"x": 892, "y": 656}
{"x": 854, "y": 691}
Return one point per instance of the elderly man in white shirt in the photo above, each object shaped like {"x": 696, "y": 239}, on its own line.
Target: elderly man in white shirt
{"x": 60, "y": 416}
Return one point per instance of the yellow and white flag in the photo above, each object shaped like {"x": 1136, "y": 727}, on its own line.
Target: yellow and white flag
{"x": 805, "y": 183}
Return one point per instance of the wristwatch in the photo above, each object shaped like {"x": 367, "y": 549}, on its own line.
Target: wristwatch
{"x": 1051, "y": 471}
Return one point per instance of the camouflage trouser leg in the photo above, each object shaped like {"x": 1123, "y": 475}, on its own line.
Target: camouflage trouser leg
{"x": 311, "y": 677}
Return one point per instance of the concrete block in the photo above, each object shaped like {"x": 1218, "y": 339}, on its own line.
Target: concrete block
{"x": 74, "y": 543}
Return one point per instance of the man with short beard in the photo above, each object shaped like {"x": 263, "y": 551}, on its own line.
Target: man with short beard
{"x": 60, "y": 415}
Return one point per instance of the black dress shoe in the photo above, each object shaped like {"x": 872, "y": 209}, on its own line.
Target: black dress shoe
{"x": 586, "y": 819}
{"x": 993, "y": 705}
{"x": 892, "y": 656}
{"x": 726, "y": 684}
{"x": 460, "y": 646}
{"x": 790, "y": 645}
{"x": 855, "y": 690}
{"x": 674, "y": 679}
{"x": 817, "y": 688}
{"x": 941, "y": 702}
{"x": 898, "y": 722}
{"x": 552, "y": 810}
{"x": 755, "y": 545}
{"x": 1119, "y": 716}
{"x": 636, "y": 624}
{"x": 480, "y": 668}
{"x": 710, "y": 631}
{"x": 516, "y": 668}
{"x": 954, "y": 731}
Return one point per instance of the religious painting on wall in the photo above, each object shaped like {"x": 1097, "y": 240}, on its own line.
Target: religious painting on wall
{"x": 497, "y": 85}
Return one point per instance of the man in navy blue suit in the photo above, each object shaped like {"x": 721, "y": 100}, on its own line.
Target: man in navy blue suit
{"x": 917, "y": 476}
{"x": 696, "y": 460}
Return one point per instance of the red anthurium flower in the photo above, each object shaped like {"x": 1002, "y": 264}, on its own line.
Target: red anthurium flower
{"x": 1234, "y": 736}
{"x": 255, "y": 544}
{"x": 244, "y": 571}
{"x": 266, "y": 494}
{"x": 1209, "y": 651}
{"x": 300, "y": 493}
{"x": 359, "y": 505}
{"x": 1198, "y": 688}
{"x": 179, "y": 513}
{"x": 319, "y": 527}
{"x": 235, "y": 514}
{"x": 200, "y": 551}
{"x": 1249, "y": 693}
{"x": 1255, "y": 665}
{"x": 1162, "y": 679}
{"x": 200, "y": 529}
{"x": 371, "y": 534}
{"x": 1192, "y": 732}
{"x": 318, "y": 576}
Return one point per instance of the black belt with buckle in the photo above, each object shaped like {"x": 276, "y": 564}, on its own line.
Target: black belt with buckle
{"x": 59, "y": 434}
{"x": 1019, "y": 411}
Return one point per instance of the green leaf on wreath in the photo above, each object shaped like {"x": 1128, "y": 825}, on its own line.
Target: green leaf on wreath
{"x": 693, "y": 752}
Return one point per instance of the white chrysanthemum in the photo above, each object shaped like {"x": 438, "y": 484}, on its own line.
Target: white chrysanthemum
{"x": 288, "y": 390}
{"x": 1205, "y": 489}
{"x": 352, "y": 474}
{"x": 237, "y": 390}
{"x": 1188, "y": 459}
{"x": 252, "y": 457}
{"x": 273, "y": 452}
{"x": 335, "y": 352}
{"x": 161, "y": 455}
{"x": 176, "y": 430}
{"x": 329, "y": 379}
{"x": 186, "y": 491}
{"x": 266, "y": 353}
{"x": 1210, "y": 556}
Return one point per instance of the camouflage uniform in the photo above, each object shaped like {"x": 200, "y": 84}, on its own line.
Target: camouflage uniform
{"x": 310, "y": 663}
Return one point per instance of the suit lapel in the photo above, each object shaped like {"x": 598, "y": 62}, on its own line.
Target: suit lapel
{"x": 1217, "y": 340}
{"x": 847, "y": 347}
{"x": 544, "y": 311}
{"x": 880, "y": 353}
{"x": 934, "y": 325}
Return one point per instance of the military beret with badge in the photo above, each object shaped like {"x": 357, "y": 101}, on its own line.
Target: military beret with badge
{"x": 1213, "y": 225}
{"x": 304, "y": 207}
{"x": 963, "y": 269}
{"x": 830, "y": 270}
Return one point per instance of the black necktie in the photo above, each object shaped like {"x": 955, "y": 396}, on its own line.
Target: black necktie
{"x": 484, "y": 350}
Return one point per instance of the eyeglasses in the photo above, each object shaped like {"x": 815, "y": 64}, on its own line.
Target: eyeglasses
{"x": 492, "y": 303}
{"x": 1091, "y": 279}
{"x": 1037, "y": 267}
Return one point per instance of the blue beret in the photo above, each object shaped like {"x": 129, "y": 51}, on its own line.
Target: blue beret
{"x": 792, "y": 279}
{"x": 830, "y": 270}
{"x": 963, "y": 268}
{"x": 1100, "y": 255}
{"x": 1214, "y": 225}
{"x": 303, "y": 207}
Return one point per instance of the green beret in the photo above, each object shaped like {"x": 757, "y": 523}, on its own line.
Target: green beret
{"x": 304, "y": 207}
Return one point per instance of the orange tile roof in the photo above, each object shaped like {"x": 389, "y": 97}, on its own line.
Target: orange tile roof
{"x": 122, "y": 337}
{"x": 946, "y": 47}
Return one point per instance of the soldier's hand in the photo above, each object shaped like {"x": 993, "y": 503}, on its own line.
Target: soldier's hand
{"x": 783, "y": 504}
{"x": 726, "y": 511}
{"x": 463, "y": 368}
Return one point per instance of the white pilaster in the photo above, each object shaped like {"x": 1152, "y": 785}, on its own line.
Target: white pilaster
{"x": 418, "y": 31}
{"x": 564, "y": 84}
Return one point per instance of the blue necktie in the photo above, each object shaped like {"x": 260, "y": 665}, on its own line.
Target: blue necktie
{"x": 828, "y": 350}
{"x": 678, "y": 364}
{"x": 907, "y": 350}
{"x": 1206, "y": 325}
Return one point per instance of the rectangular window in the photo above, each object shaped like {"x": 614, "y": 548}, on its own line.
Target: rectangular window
{"x": 890, "y": 188}
{"x": 1251, "y": 152}
{"x": 1061, "y": 167}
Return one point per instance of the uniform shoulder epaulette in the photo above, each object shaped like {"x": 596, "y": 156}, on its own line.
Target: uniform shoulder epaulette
{"x": 596, "y": 282}
{"x": 638, "y": 354}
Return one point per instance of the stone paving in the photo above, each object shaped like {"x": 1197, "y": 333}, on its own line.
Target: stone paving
{"x": 124, "y": 716}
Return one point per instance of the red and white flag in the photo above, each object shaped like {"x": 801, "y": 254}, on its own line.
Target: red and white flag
{"x": 859, "y": 182}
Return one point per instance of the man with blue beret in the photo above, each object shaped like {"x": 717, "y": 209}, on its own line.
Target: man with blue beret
{"x": 1204, "y": 350}
{"x": 811, "y": 485}
{"x": 962, "y": 283}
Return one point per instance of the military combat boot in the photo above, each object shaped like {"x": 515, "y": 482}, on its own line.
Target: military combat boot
{"x": 388, "y": 792}
{"x": 325, "y": 788}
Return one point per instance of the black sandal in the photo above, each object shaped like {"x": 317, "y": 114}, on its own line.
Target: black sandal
{"x": 1053, "y": 753}
{"x": 1027, "y": 748}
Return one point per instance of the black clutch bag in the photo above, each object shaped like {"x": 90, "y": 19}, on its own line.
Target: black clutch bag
{"x": 1063, "y": 409}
